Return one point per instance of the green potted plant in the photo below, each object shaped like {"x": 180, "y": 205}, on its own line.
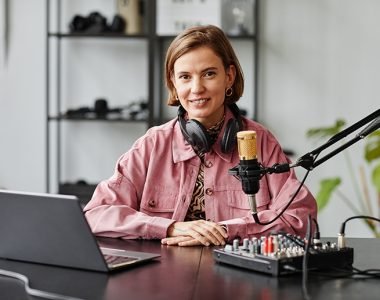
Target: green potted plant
{"x": 330, "y": 186}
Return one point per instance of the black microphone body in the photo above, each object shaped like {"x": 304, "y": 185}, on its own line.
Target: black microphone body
{"x": 249, "y": 173}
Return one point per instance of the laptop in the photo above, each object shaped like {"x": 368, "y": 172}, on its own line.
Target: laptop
{"x": 52, "y": 229}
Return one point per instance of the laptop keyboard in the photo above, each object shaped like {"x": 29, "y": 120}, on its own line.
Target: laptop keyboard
{"x": 115, "y": 261}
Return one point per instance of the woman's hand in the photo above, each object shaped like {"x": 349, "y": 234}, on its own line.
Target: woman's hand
{"x": 194, "y": 233}
{"x": 181, "y": 241}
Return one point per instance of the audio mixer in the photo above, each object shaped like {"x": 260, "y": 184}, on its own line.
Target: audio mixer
{"x": 283, "y": 254}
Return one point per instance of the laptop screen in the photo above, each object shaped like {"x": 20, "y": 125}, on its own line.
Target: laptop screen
{"x": 48, "y": 229}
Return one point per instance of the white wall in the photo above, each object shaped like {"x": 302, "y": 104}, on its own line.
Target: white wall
{"x": 319, "y": 60}
{"x": 22, "y": 100}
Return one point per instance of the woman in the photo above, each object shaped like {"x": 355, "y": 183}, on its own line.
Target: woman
{"x": 173, "y": 184}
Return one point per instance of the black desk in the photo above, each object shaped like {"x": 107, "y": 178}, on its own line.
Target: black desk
{"x": 190, "y": 273}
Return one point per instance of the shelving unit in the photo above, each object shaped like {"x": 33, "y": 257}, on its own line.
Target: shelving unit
{"x": 156, "y": 113}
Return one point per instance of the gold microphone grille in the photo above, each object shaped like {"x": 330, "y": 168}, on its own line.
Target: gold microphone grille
{"x": 247, "y": 144}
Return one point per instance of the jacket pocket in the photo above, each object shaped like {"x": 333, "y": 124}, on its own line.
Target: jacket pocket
{"x": 159, "y": 203}
{"x": 239, "y": 200}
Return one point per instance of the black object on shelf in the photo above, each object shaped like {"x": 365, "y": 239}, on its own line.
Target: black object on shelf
{"x": 80, "y": 189}
{"x": 134, "y": 111}
{"x": 96, "y": 23}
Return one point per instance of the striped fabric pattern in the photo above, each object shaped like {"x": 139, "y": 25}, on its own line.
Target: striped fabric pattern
{"x": 196, "y": 209}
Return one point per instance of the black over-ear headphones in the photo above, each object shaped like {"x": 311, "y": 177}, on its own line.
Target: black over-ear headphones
{"x": 197, "y": 136}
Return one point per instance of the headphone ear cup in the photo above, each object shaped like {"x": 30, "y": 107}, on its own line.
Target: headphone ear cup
{"x": 229, "y": 137}
{"x": 198, "y": 136}
{"x": 194, "y": 132}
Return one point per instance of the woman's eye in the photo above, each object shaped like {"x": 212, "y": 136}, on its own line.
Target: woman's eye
{"x": 209, "y": 74}
{"x": 184, "y": 77}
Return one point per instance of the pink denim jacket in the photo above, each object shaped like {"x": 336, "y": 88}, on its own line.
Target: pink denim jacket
{"x": 153, "y": 183}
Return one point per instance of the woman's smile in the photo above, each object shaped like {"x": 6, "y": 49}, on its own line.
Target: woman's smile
{"x": 200, "y": 101}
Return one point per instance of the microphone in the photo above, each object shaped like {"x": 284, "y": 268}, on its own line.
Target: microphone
{"x": 249, "y": 169}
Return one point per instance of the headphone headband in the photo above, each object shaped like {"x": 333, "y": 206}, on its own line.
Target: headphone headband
{"x": 197, "y": 136}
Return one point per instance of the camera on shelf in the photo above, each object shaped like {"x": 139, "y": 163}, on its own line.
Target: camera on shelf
{"x": 96, "y": 23}
{"x": 135, "y": 111}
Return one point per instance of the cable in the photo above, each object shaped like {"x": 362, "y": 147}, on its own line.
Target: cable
{"x": 343, "y": 226}
{"x": 35, "y": 292}
{"x": 256, "y": 217}
{"x": 367, "y": 273}
{"x": 317, "y": 234}
{"x": 353, "y": 273}
{"x": 305, "y": 260}
{"x": 341, "y": 235}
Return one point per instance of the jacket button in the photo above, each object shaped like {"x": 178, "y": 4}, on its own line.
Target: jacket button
{"x": 152, "y": 203}
{"x": 209, "y": 191}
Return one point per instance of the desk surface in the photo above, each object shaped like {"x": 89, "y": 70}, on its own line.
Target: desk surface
{"x": 190, "y": 273}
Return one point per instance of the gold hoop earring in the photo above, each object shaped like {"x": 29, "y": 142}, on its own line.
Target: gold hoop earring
{"x": 229, "y": 91}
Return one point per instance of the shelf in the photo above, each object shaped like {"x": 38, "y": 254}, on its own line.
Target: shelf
{"x": 96, "y": 119}
{"x": 136, "y": 36}
{"x": 105, "y": 35}
{"x": 249, "y": 37}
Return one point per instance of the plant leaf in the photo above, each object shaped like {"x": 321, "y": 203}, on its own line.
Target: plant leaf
{"x": 372, "y": 146}
{"x": 323, "y": 132}
{"x": 376, "y": 177}
{"x": 326, "y": 188}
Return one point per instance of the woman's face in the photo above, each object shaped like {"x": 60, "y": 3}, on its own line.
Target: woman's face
{"x": 201, "y": 80}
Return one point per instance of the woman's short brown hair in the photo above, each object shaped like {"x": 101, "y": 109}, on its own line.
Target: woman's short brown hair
{"x": 199, "y": 36}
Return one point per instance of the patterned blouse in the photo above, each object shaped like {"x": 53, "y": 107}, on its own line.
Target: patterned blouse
{"x": 196, "y": 209}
